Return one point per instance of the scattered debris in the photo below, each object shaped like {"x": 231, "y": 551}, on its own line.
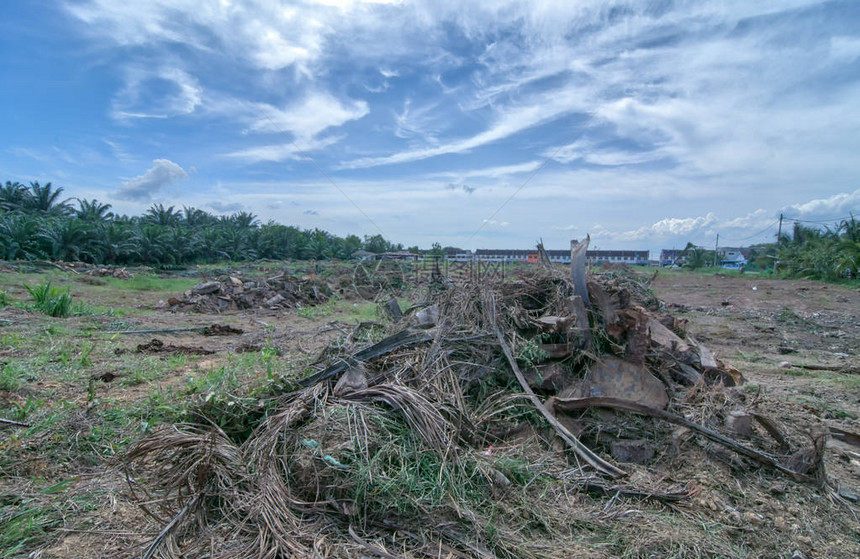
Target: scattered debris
{"x": 281, "y": 291}
{"x": 118, "y": 273}
{"x": 222, "y": 330}
{"x": 157, "y": 346}
{"x": 451, "y": 384}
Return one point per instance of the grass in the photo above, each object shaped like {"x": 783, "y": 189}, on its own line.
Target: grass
{"x": 151, "y": 282}
{"x": 51, "y": 300}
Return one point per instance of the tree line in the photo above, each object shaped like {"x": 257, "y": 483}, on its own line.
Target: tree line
{"x": 827, "y": 253}
{"x": 37, "y": 223}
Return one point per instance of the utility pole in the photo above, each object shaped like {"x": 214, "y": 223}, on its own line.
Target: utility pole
{"x": 778, "y": 241}
{"x": 716, "y": 249}
{"x": 779, "y": 232}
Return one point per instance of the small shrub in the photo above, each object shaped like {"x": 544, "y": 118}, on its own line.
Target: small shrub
{"x": 4, "y": 299}
{"x": 51, "y": 300}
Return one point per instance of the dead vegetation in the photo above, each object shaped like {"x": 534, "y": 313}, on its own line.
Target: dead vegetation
{"x": 281, "y": 291}
{"x": 526, "y": 418}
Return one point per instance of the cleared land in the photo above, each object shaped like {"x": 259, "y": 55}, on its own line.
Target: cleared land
{"x": 90, "y": 386}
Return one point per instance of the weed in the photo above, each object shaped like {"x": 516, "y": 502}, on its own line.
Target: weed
{"x": 531, "y": 354}
{"x": 24, "y": 524}
{"x": 4, "y": 299}
{"x": 11, "y": 340}
{"x": 51, "y": 300}
{"x": 318, "y": 311}
{"x": 10, "y": 378}
{"x": 86, "y": 350}
{"x": 19, "y": 412}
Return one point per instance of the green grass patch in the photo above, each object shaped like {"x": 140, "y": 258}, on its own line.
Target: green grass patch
{"x": 151, "y": 282}
{"x": 12, "y": 377}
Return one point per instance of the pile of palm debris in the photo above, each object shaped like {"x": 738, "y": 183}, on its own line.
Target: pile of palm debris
{"x": 118, "y": 273}
{"x": 281, "y": 291}
{"x": 469, "y": 430}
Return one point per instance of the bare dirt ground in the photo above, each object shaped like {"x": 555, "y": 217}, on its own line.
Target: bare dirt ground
{"x": 797, "y": 343}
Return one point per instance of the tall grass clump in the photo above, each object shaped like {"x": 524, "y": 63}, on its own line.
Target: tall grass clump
{"x": 4, "y": 299}
{"x": 51, "y": 300}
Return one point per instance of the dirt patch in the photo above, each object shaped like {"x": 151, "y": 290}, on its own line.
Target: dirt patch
{"x": 222, "y": 330}
{"x": 157, "y": 346}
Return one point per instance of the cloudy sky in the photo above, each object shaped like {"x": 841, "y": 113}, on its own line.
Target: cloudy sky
{"x": 477, "y": 124}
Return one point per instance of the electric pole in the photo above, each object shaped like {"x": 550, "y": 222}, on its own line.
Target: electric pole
{"x": 778, "y": 240}
{"x": 716, "y": 249}
{"x": 779, "y": 232}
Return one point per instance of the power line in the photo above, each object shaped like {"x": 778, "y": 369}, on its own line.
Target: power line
{"x": 763, "y": 231}
{"x": 823, "y": 221}
{"x": 535, "y": 172}
{"x": 320, "y": 169}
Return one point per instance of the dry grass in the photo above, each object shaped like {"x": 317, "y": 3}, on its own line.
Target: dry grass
{"x": 439, "y": 456}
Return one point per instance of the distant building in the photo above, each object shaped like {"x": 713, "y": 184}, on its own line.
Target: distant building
{"x": 733, "y": 258}
{"x": 398, "y": 255}
{"x": 632, "y": 257}
{"x": 364, "y": 255}
{"x": 670, "y": 257}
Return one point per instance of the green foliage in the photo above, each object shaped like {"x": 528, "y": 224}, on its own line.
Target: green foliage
{"x": 51, "y": 300}
{"x": 697, "y": 257}
{"x": 531, "y": 354}
{"x": 10, "y": 378}
{"x": 4, "y": 298}
{"x": 828, "y": 254}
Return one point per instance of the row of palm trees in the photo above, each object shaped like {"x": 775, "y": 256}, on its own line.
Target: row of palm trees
{"x": 37, "y": 223}
{"x": 826, "y": 253}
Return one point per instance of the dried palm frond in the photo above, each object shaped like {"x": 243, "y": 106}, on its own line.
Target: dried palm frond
{"x": 421, "y": 415}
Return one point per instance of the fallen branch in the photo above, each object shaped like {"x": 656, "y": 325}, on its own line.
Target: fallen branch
{"x": 159, "y": 539}
{"x": 600, "y": 489}
{"x": 570, "y": 404}
{"x": 580, "y": 449}
{"x": 370, "y": 547}
{"x": 11, "y": 423}
{"x": 389, "y": 344}
{"x": 848, "y": 370}
{"x": 162, "y": 330}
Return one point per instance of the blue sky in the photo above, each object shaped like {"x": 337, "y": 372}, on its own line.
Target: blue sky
{"x": 646, "y": 124}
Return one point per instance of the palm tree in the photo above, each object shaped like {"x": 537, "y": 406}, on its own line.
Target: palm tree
{"x": 119, "y": 243}
{"x": 45, "y": 199}
{"x": 13, "y": 196}
{"x": 181, "y": 244}
{"x": 244, "y": 220}
{"x": 152, "y": 245}
{"x": 69, "y": 240}
{"x": 694, "y": 257}
{"x": 195, "y": 217}
{"x": 159, "y": 215}
{"x": 93, "y": 210}
{"x": 18, "y": 237}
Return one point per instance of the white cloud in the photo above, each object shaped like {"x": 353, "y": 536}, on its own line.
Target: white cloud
{"x": 141, "y": 188}
{"x": 156, "y": 93}
{"x": 837, "y": 206}
{"x": 309, "y": 116}
{"x": 489, "y": 172}
{"x": 511, "y": 121}
{"x": 280, "y": 152}
{"x": 665, "y": 228}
